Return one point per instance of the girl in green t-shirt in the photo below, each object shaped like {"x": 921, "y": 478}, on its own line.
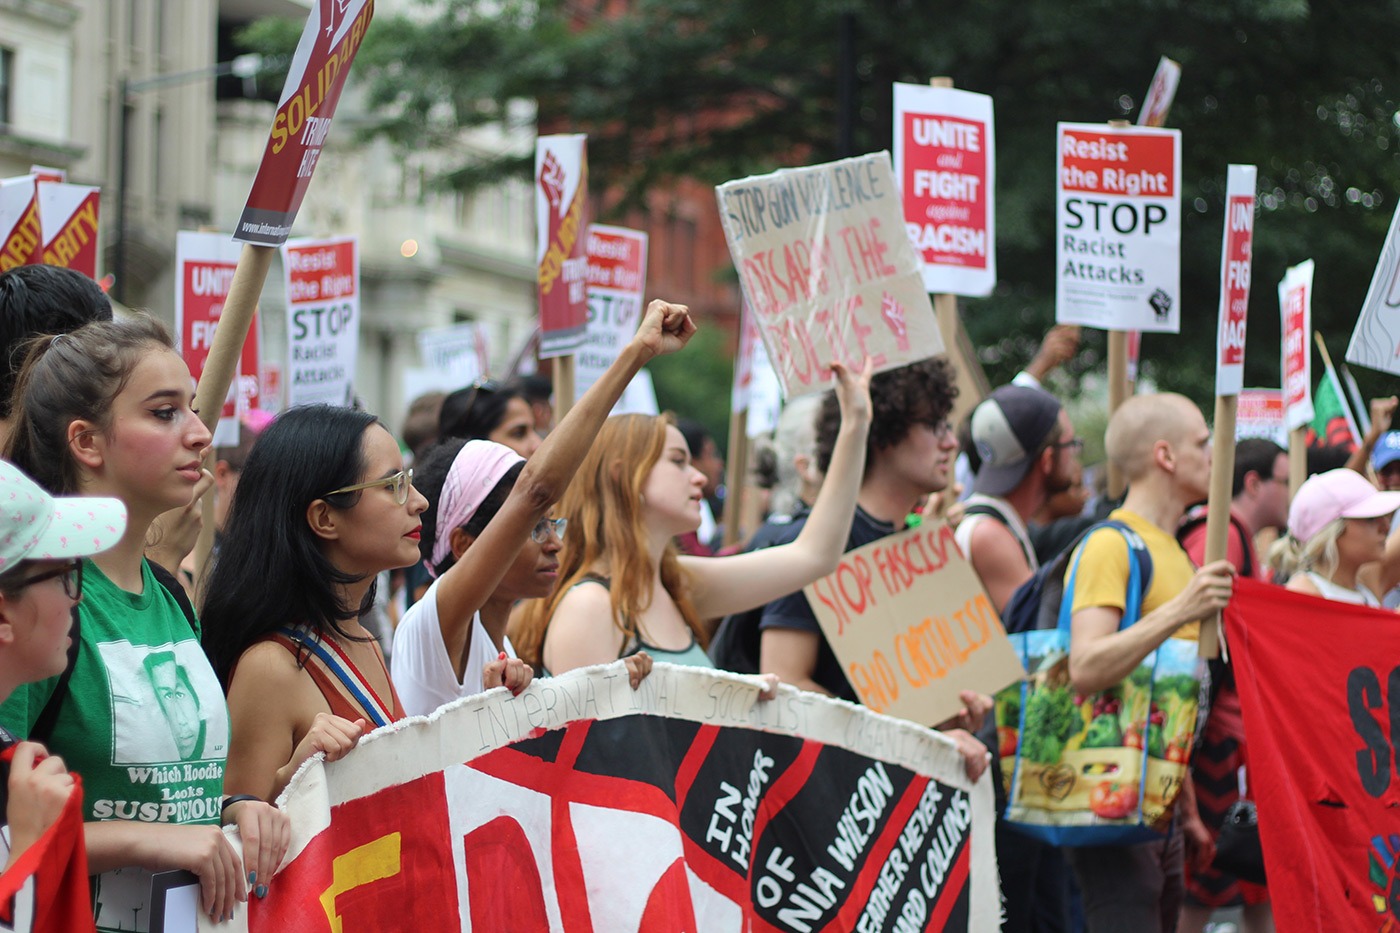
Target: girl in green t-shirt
{"x": 105, "y": 411}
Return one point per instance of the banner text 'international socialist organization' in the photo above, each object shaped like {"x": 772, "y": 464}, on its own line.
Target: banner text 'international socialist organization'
{"x": 323, "y": 319}
{"x": 945, "y": 161}
{"x": 561, "y": 248}
{"x": 333, "y": 34}
{"x": 827, "y": 266}
{"x": 685, "y": 805}
{"x": 1320, "y": 692}
{"x": 1118, "y": 227}
{"x": 1375, "y": 343}
{"x": 617, "y": 279}
{"x": 1295, "y": 308}
{"x": 1236, "y": 261}
{"x": 912, "y": 627}
{"x": 204, "y": 264}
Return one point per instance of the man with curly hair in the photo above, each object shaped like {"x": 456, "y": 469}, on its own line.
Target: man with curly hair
{"x": 909, "y": 455}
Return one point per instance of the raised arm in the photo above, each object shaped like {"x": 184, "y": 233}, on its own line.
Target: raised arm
{"x": 721, "y": 585}
{"x": 665, "y": 328}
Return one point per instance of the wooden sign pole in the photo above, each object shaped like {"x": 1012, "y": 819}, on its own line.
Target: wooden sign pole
{"x": 1297, "y": 460}
{"x": 1117, "y": 395}
{"x": 1222, "y": 473}
{"x": 564, "y": 374}
{"x": 736, "y": 471}
{"x": 220, "y": 368}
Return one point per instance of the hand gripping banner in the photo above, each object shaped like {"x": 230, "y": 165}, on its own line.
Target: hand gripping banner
{"x": 686, "y": 805}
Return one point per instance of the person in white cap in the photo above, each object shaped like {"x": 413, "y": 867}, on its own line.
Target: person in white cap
{"x": 42, "y": 543}
{"x": 1336, "y": 542}
{"x": 1028, "y": 452}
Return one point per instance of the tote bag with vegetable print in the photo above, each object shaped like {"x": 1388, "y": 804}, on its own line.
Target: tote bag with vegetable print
{"x": 1104, "y": 769}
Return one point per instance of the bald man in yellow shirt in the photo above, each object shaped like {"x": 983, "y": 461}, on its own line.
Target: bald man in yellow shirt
{"x": 1163, "y": 447}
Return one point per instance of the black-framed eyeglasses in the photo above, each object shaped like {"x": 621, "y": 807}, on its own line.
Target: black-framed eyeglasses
{"x": 400, "y": 483}
{"x": 71, "y": 573}
{"x": 542, "y": 530}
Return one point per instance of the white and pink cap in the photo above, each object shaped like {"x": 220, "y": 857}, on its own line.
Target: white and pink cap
{"x": 1341, "y": 493}
{"x": 36, "y": 526}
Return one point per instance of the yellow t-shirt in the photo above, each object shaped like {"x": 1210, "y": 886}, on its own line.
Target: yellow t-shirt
{"x": 1103, "y": 569}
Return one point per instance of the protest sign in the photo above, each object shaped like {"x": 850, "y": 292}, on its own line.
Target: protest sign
{"x": 561, "y": 242}
{"x": 21, "y": 237}
{"x": 457, "y": 351}
{"x": 824, "y": 262}
{"x": 1295, "y": 306}
{"x": 617, "y": 276}
{"x": 1160, "y": 93}
{"x": 756, "y": 391}
{"x": 1260, "y": 414}
{"x": 1375, "y": 342}
{"x": 45, "y": 889}
{"x": 684, "y": 805}
{"x": 945, "y": 161}
{"x": 1327, "y": 803}
{"x": 1118, "y": 227}
{"x": 639, "y": 398}
{"x": 1134, "y": 354}
{"x": 315, "y": 79}
{"x": 204, "y": 264}
{"x": 1236, "y": 260}
{"x": 911, "y": 625}
{"x": 68, "y": 223}
{"x": 323, "y": 319}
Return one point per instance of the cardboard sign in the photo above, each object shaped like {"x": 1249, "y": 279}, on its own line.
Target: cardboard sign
{"x": 21, "y": 237}
{"x": 320, "y": 65}
{"x": 1259, "y": 413}
{"x": 68, "y": 221}
{"x": 945, "y": 161}
{"x": 1374, "y": 342}
{"x": 204, "y": 264}
{"x": 826, "y": 265}
{"x": 1160, "y": 94}
{"x": 561, "y": 242}
{"x": 1236, "y": 260}
{"x": 617, "y": 278}
{"x": 687, "y": 804}
{"x": 1118, "y": 228}
{"x": 1295, "y": 305}
{"x": 323, "y": 319}
{"x": 1326, "y": 808}
{"x": 911, "y": 625}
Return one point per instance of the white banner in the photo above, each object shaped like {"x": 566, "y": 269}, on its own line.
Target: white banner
{"x": 1236, "y": 260}
{"x": 1295, "y": 306}
{"x": 1118, "y": 227}
{"x": 323, "y": 319}
{"x": 1375, "y": 343}
{"x": 945, "y": 164}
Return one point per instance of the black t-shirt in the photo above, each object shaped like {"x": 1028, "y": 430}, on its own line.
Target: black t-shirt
{"x": 793, "y": 611}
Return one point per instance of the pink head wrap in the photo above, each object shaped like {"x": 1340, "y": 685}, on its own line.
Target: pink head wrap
{"x": 475, "y": 471}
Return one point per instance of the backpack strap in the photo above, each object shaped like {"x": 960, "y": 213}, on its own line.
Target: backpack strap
{"x": 986, "y": 508}
{"x": 44, "y": 723}
{"x": 1139, "y": 575}
{"x": 1197, "y": 515}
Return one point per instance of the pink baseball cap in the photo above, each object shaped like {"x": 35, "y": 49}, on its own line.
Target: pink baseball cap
{"x": 36, "y": 526}
{"x": 1342, "y": 493}
{"x": 475, "y": 471}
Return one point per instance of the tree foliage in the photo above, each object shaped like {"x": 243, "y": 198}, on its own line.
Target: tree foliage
{"x": 1305, "y": 89}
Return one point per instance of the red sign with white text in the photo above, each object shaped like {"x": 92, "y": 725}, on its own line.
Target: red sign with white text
{"x": 561, "y": 254}
{"x": 1295, "y": 304}
{"x": 21, "y": 238}
{"x": 333, "y": 33}
{"x": 1122, "y": 164}
{"x": 205, "y": 264}
{"x": 1236, "y": 260}
{"x": 68, "y": 219}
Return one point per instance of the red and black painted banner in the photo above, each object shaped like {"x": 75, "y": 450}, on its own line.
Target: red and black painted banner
{"x": 1319, "y": 684}
{"x": 687, "y": 805}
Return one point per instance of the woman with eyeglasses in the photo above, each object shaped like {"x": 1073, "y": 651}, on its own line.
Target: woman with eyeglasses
{"x": 324, "y": 505}
{"x": 105, "y": 412}
{"x": 622, "y": 585}
{"x": 488, "y": 540}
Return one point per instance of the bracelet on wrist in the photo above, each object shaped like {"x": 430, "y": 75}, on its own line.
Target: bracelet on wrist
{"x": 236, "y": 798}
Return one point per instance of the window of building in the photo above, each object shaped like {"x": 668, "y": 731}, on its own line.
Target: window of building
{"x": 7, "y": 86}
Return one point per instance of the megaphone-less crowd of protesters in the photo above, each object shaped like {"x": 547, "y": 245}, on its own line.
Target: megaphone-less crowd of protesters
{"x": 523, "y": 548}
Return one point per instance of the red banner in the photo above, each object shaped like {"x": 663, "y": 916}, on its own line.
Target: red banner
{"x": 46, "y": 889}
{"x": 68, "y": 219}
{"x": 332, "y": 36}
{"x": 561, "y": 254}
{"x": 1320, "y": 691}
